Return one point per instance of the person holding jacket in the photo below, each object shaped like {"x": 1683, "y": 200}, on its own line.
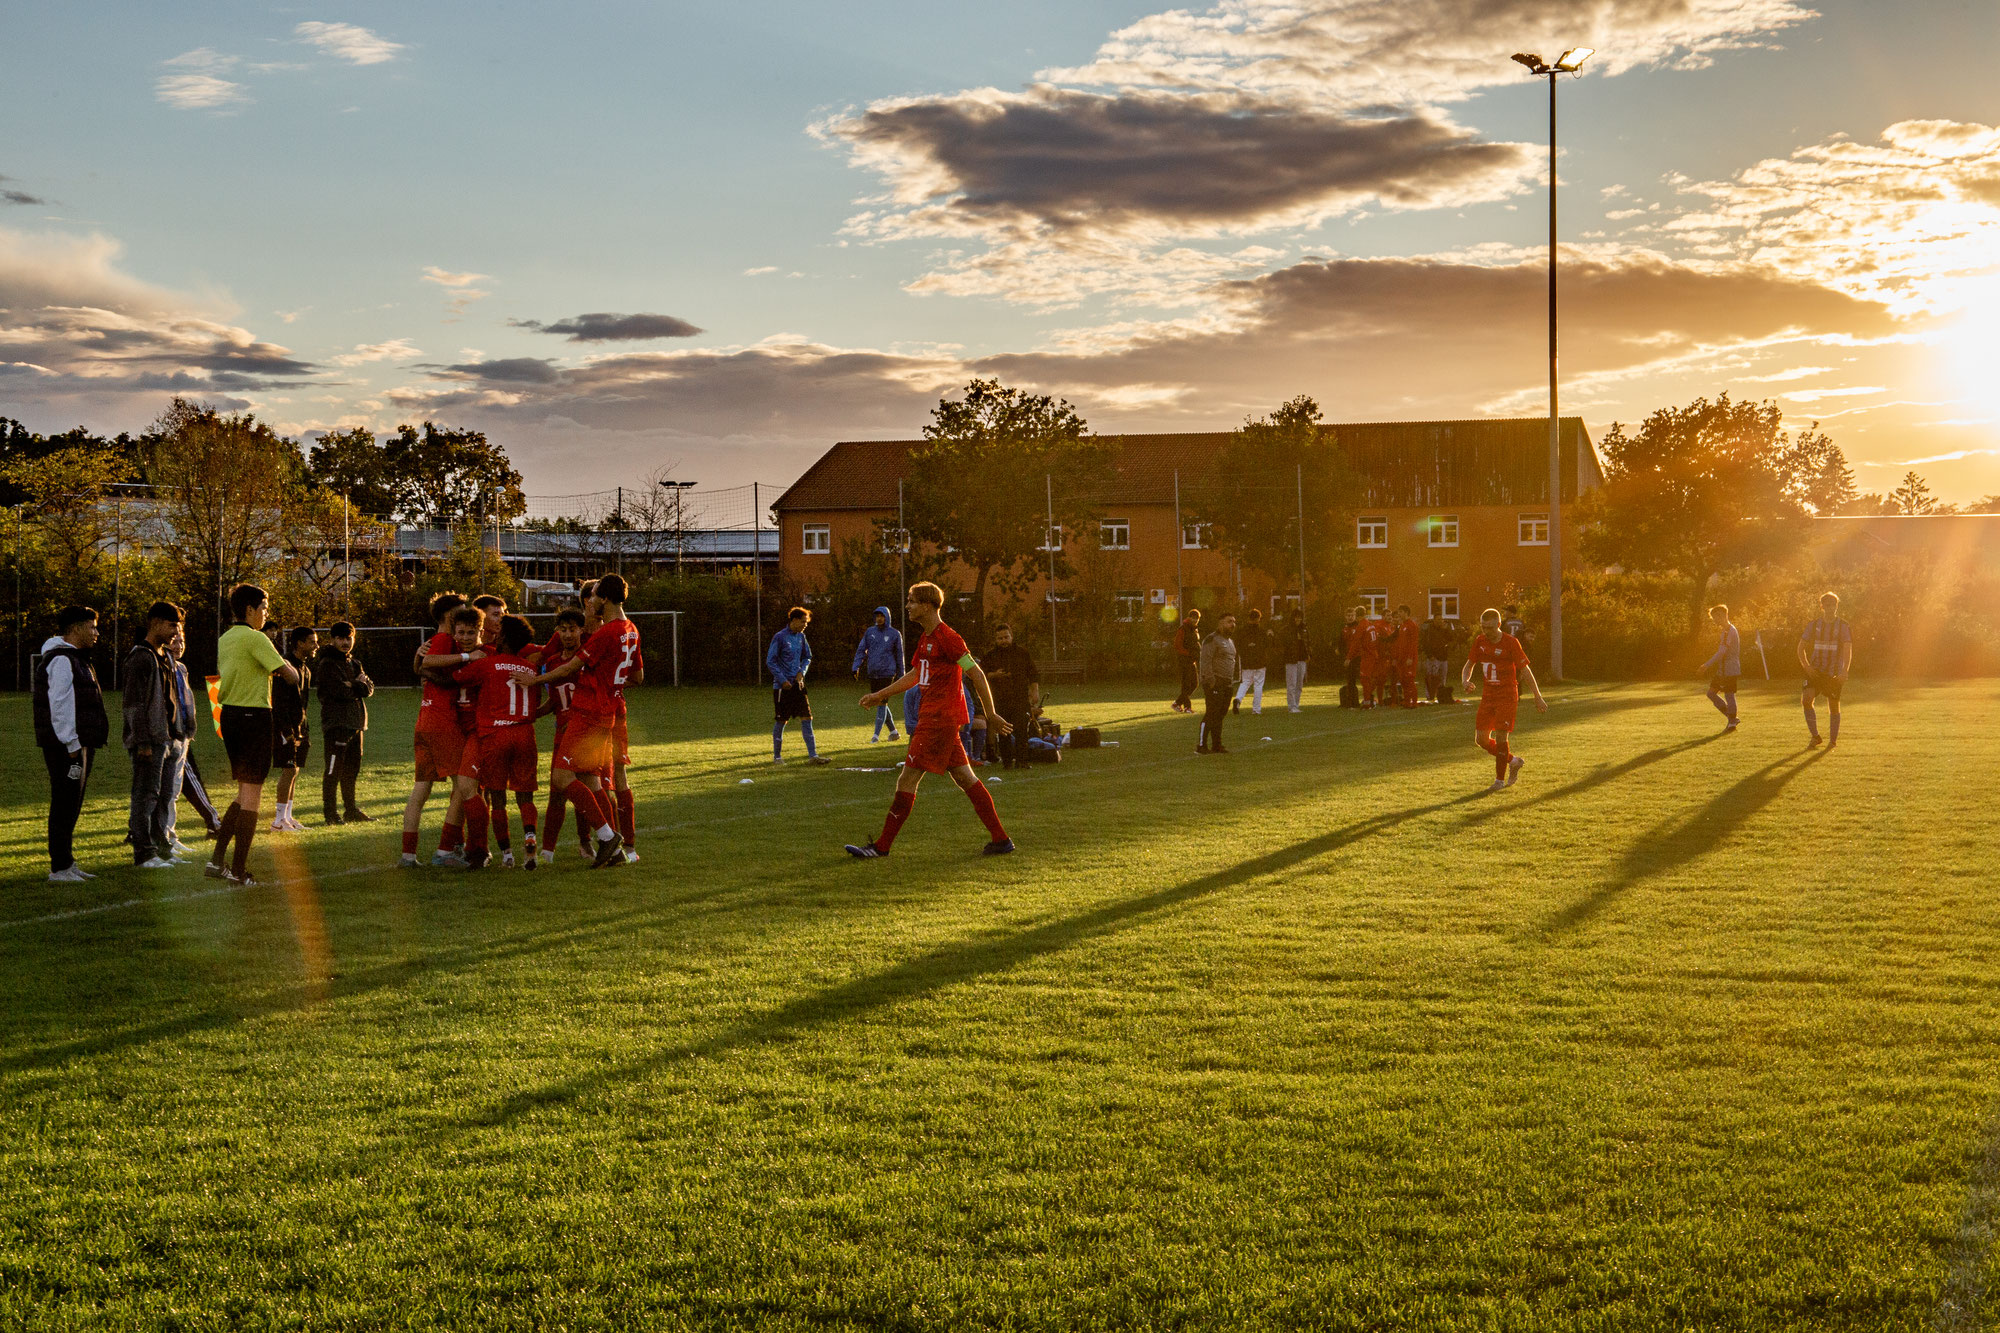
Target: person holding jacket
{"x": 344, "y": 688}
{"x": 70, "y": 727}
{"x": 152, "y": 725}
{"x": 789, "y": 658}
{"x": 183, "y": 774}
{"x": 1296, "y": 653}
{"x": 1219, "y": 674}
{"x": 1187, "y": 648}
{"x": 1253, "y": 653}
{"x": 878, "y": 659}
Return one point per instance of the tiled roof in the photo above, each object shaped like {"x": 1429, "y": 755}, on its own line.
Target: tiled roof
{"x": 1488, "y": 460}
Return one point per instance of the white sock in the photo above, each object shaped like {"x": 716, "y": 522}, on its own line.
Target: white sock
{"x": 284, "y": 811}
{"x": 605, "y": 833}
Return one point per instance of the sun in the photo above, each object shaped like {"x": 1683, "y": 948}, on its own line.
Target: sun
{"x": 1970, "y": 343}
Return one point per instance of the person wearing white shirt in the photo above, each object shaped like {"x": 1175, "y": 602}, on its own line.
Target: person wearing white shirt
{"x": 70, "y": 727}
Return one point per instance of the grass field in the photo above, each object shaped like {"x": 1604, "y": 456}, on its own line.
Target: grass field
{"x": 1684, "y": 1031}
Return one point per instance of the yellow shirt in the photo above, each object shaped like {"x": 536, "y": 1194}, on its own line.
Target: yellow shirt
{"x": 245, "y": 659}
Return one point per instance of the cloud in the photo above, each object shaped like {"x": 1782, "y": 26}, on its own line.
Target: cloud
{"x": 345, "y": 41}
{"x": 198, "y": 92}
{"x": 1348, "y": 53}
{"x": 603, "y": 327}
{"x": 396, "y": 349}
{"x": 446, "y": 278}
{"x": 20, "y": 197}
{"x": 203, "y": 58}
{"x": 760, "y": 271}
{"x": 460, "y": 284}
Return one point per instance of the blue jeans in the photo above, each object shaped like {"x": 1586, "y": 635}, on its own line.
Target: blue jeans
{"x": 176, "y": 774}
{"x": 150, "y": 801}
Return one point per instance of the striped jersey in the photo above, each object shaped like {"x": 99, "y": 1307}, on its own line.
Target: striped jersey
{"x": 1823, "y": 641}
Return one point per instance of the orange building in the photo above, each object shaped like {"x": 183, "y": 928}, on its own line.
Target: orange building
{"x": 1452, "y": 513}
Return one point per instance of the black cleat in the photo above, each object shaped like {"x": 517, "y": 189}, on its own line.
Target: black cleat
{"x": 867, "y": 851}
{"x": 609, "y": 853}
{"x": 999, "y": 848}
{"x": 357, "y": 817}
{"x": 477, "y": 857}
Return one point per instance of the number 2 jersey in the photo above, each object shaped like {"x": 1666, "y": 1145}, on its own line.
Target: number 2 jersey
{"x": 503, "y": 692}
{"x": 1498, "y": 663}
{"x": 941, "y": 676}
{"x": 610, "y": 659}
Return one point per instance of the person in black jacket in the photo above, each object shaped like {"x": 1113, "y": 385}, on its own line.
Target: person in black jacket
{"x": 152, "y": 725}
{"x": 1253, "y": 655}
{"x": 1297, "y": 652}
{"x": 71, "y": 727}
{"x": 1434, "y": 643}
{"x": 1017, "y": 688}
{"x": 291, "y": 729}
{"x": 344, "y": 688}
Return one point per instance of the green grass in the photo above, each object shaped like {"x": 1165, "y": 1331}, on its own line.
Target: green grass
{"x": 1683, "y": 1032}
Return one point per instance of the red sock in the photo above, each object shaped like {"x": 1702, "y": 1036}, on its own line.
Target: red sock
{"x": 1490, "y": 744}
{"x": 526, "y": 805}
{"x": 899, "y": 810}
{"x": 1501, "y": 755}
{"x": 626, "y": 818}
{"x": 475, "y": 822}
{"x": 409, "y": 842}
{"x": 451, "y": 836}
{"x": 982, "y": 801}
{"x": 553, "y": 821}
{"x": 589, "y": 810}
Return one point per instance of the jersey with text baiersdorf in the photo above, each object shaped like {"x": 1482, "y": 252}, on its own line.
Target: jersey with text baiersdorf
{"x": 1823, "y": 641}
{"x": 610, "y": 657}
{"x": 941, "y": 678}
{"x": 1498, "y": 663}
{"x": 503, "y": 693}
{"x": 439, "y": 709}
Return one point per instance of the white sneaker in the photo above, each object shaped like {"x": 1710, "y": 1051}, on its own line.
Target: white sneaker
{"x": 294, "y": 825}
{"x": 179, "y": 848}
{"x": 69, "y": 876}
{"x": 81, "y": 871}
{"x": 155, "y": 863}
{"x": 1514, "y": 769}
{"x": 278, "y": 824}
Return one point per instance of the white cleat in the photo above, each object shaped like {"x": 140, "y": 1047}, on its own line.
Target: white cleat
{"x": 1499, "y": 784}
{"x": 69, "y": 876}
{"x": 156, "y": 863}
{"x": 546, "y": 856}
{"x": 1514, "y": 769}
{"x": 506, "y": 860}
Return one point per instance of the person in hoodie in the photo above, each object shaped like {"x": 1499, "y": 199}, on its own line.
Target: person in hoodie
{"x": 878, "y": 658}
{"x": 789, "y": 658}
{"x": 344, "y": 688}
{"x": 152, "y": 725}
{"x": 183, "y": 773}
{"x": 70, "y": 727}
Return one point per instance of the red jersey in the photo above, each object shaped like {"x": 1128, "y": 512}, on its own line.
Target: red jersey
{"x": 1497, "y": 663}
{"x": 504, "y": 695}
{"x": 1405, "y": 641}
{"x": 941, "y": 678}
{"x": 563, "y": 691}
{"x": 610, "y": 656}
{"x": 439, "y": 709}
{"x": 1372, "y": 633}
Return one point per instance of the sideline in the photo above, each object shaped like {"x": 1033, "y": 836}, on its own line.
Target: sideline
{"x": 100, "y": 909}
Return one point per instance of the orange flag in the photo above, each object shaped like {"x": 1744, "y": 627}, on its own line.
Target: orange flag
{"x": 215, "y": 703}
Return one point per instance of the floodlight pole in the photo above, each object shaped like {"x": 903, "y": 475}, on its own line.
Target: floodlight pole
{"x": 1555, "y": 424}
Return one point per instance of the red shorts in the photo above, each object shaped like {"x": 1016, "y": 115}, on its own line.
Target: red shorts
{"x": 1496, "y": 713}
{"x": 936, "y": 749}
{"x": 621, "y": 742}
{"x": 586, "y": 745}
{"x": 508, "y": 759}
{"x": 468, "y": 759}
{"x": 439, "y": 753}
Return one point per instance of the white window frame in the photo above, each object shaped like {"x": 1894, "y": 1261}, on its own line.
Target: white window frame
{"x": 1120, "y": 528}
{"x": 1194, "y": 536}
{"x": 896, "y": 541}
{"x": 1443, "y": 603}
{"x": 1053, "y": 534}
{"x": 1371, "y": 533}
{"x": 1527, "y": 525}
{"x": 1376, "y": 600}
{"x": 1283, "y": 604}
{"x": 1441, "y": 529}
{"x": 823, "y": 531}
{"x": 1128, "y": 605}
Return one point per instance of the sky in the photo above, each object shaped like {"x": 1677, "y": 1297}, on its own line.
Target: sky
{"x": 633, "y": 238}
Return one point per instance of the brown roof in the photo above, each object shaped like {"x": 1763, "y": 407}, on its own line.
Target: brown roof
{"x": 1414, "y": 464}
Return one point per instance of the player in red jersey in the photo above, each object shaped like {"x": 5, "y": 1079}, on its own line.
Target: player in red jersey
{"x": 1403, "y": 652}
{"x": 1499, "y": 660}
{"x": 1373, "y": 636}
{"x": 601, "y": 667}
{"x": 561, "y": 647}
{"x": 440, "y": 742}
{"x": 941, "y": 665}
{"x": 506, "y": 699}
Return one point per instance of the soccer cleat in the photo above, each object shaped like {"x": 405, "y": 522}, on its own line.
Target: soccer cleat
{"x": 408, "y": 861}
{"x": 331, "y": 819}
{"x": 444, "y": 860}
{"x": 1217, "y": 749}
{"x": 609, "y": 853}
{"x": 1499, "y": 784}
{"x": 867, "y": 851}
{"x": 630, "y": 856}
{"x": 1730, "y": 729}
{"x": 85, "y": 873}
{"x": 214, "y": 871}
{"x": 156, "y": 863}
{"x": 245, "y": 880}
{"x": 71, "y": 875}
{"x": 547, "y": 857}
{"x": 1514, "y": 769}
{"x": 356, "y": 817}
{"x": 506, "y": 860}
{"x": 779, "y": 762}
{"x": 1814, "y": 743}
{"x": 818, "y": 759}
{"x": 998, "y": 847}
{"x": 893, "y": 735}
{"x": 477, "y": 858}
{"x": 876, "y": 737}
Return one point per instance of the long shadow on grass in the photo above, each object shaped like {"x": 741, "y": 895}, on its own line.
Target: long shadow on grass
{"x": 1672, "y": 844}
{"x": 953, "y": 964}
{"x": 1595, "y": 778}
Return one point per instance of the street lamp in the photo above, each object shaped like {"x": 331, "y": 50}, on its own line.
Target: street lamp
{"x": 1567, "y": 63}
{"x": 679, "y": 488}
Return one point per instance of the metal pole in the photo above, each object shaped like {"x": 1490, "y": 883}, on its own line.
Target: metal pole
{"x": 1302, "y": 537}
{"x": 902, "y": 546}
{"x": 1180, "y": 540}
{"x": 677, "y": 649}
{"x": 1049, "y": 540}
{"x": 757, "y": 568}
{"x": 618, "y": 530}
{"x": 1555, "y": 426}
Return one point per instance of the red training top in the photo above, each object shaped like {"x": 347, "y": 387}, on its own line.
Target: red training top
{"x": 610, "y": 656}
{"x": 505, "y": 696}
{"x": 439, "y": 709}
{"x": 941, "y": 678}
{"x": 1498, "y": 663}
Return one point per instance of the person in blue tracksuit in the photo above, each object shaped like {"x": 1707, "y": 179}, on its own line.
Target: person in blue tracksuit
{"x": 878, "y": 658}
{"x": 789, "y": 658}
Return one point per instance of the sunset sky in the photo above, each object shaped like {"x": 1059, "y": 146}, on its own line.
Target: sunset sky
{"x": 622, "y": 236}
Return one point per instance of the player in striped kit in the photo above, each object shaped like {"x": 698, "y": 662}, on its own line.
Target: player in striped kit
{"x": 1826, "y": 651}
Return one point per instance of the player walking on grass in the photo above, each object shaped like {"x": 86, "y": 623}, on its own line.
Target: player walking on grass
{"x": 942, "y": 666}
{"x": 1826, "y": 651}
{"x": 505, "y": 700}
{"x": 440, "y": 743}
{"x": 789, "y": 657}
{"x": 1500, "y": 661}
{"x": 245, "y": 659}
{"x": 1724, "y": 668}
{"x": 602, "y": 667}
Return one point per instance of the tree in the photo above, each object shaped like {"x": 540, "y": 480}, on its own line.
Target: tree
{"x": 1251, "y": 501}
{"x": 1698, "y": 490}
{"x": 329, "y": 546}
{"x": 975, "y": 486}
{"x": 18, "y": 444}
{"x": 1817, "y": 477}
{"x": 64, "y": 497}
{"x": 1988, "y": 505}
{"x": 1914, "y": 497}
{"x": 441, "y": 477}
{"x": 351, "y": 463}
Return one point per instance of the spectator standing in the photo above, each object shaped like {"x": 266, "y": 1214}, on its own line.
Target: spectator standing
{"x": 1296, "y": 653}
{"x": 789, "y": 658}
{"x": 878, "y": 659}
{"x": 185, "y": 775}
{"x": 1253, "y": 655}
{"x": 1187, "y": 649}
{"x": 1434, "y": 645}
{"x": 344, "y": 688}
{"x": 1017, "y": 688}
{"x": 245, "y": 661}
{"x": 152, "y": 725}
{"x": 71, "y": 727}
{"x": 291, "y": 724}
{"x": 1218, "y": 679}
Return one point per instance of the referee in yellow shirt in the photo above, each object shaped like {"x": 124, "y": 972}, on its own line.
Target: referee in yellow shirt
{"x": 245, "y": 659}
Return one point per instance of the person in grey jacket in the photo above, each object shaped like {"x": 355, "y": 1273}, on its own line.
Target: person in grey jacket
{"x": 1724, "y": 667}
{"x": 344, "y": 688}
{"x": 152, "y": 725}
{"x": 879, "y": 658}
{"x": 1218, "y": 674}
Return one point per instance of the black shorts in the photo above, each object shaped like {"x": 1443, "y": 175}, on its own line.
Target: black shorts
{"x": 791, "y": 702}
{"x": 1722, "y": 684}
{"x": 1825, "y": 686}
{"x": 291, "y": 751}
{"x": 246, "y": 736}
{"x": 877, "y": 684}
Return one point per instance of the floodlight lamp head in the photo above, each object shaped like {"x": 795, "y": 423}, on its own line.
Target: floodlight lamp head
{"x": 1534, "y": 63}
{"x": 1571, "y": 59}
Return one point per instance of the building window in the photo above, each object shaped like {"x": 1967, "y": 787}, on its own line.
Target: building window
{"x": 1052, "y": 540}
{"x": 1128, "y": 605}
{"x": 1115, "y": 534}
{"x": 1443, "y": 529}
{"x": 1444, "y": 604}
{"x": 1284, "y": 604}
{"x": 819, "y": 539}
{"x": 1376, "y": 600}
{"x": 1534, "y": 530}
{"x": 1194, "y": 536}
{"x": 1371, "y": 534}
